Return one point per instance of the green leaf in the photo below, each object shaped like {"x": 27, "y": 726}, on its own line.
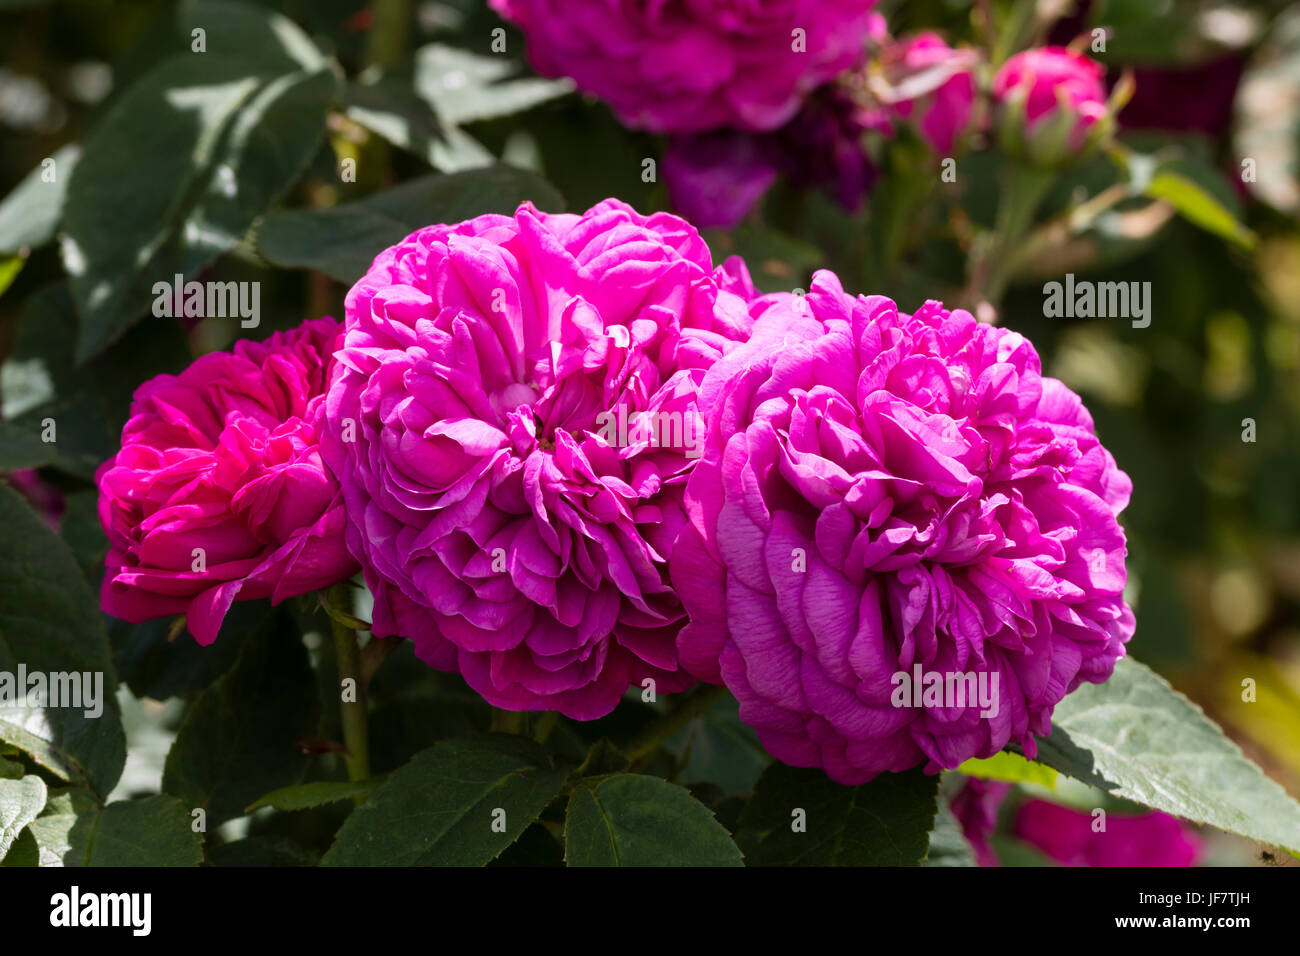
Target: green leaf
{"x": 718, "y": 748}
{"x": 50, "y": 622}
{"x": 64, "y": 829}
{"x": 304, "y": 796}
{"x": 886, "y": 822}
{"x": 440, "y": 809}
{"x": 90, "y": 404}
{"x": 392, "y": 110}
{"x": 1010, "y": 767}
{"x": 10, "y": 266}
{"x": 74, "y": 830}
{"x": 239, "y": 737}
{"x": 155, "y": 667}
{"x": 175, "y": 174}
{"x": 1136, "y": 737}
{"x": 261, "y": 851}
{"x": 343, "y": 240}
{"x": 948, "y": 845}
{"x": 21, "y": 801}
{"x": 1198, "y": 206}
{"x": 463, "y": 87}
{"x": 636, "y": 820}
{"x": 30, "y": 214}
{"x": 156, "y": 831}
{"x": 250, "y": 32}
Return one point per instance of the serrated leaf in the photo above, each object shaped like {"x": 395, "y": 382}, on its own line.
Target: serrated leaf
{"x": 239, "y": 737}
{"x": 21, "y": 801}
{"x": 30, "y": 214}
{"x": 886, "y": 822}
{"x": 637, "y": 820}
{"x": 343, "y": 240}
{"x": 440, "y": 808}
{"x": 65, "y": 827}
{"x": 1136, "y": 737}
{"x": 948, "y": 846}
{"x": 304, "y": 796}
{"x": 74, "y": 830}
{"x": 464, "y": 87}
{"x": 50, "y": 622}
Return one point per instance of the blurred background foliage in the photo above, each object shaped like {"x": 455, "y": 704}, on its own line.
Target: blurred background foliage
{"x": 1214, "y": 525}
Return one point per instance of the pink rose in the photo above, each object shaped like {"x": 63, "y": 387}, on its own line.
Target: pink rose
{"x": 936, "y": 86}
{"x": 1042, "y": 89}
{"x": 696, "y": 65}
{"x": 219, "y": 492}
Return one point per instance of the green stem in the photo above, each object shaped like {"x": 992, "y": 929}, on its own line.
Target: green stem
{"x": 696, "y": 703}
{"x": 509, "y": 721}
{"x": 352, "y": 712}
{"x": 388, "y": 29}
{"x": 1025, "y": 190}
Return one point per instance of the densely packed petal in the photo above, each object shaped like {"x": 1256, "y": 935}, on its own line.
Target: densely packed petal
{"x": 219, "y": 492}
{"x": 513, "y": 418}
{"x": 694, "y": 65}
{"x": 886, "y": 501}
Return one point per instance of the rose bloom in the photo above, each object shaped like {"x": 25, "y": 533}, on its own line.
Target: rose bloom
{"x": 1049, "y": 79}
{"x": 883, "y": 492}
{"x": 1066, "y": 836}
{"x": 699, "y": 64}
{"x": 937, "y": 88}
{"x": 219, "y": 492}
{"x": 512, "y": 417}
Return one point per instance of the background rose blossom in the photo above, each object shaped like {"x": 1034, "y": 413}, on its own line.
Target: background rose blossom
{"x": 223, "y": 458}
{"x": 1068, "y": 836}
{"x": 1050, "y": 79}
{"x": 699, "y": 65}
{"x": 882, "y": 491}
{"x": 498, "y": 528}
{"x": 944, "y": 81}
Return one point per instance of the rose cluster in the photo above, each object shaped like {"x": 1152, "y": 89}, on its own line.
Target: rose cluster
{"x": 571, "y": 455}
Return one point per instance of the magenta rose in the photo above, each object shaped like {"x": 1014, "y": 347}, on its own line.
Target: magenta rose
{"x": 698, "y": 64}
{"x": 1051, "y": 98}
{"x": 1067, "y": 836}
{"x": 886, "y": 501}
{"x": 513, "y": 419}
{"x": 935, "y": 86}
{"x": 219, "y": 492}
